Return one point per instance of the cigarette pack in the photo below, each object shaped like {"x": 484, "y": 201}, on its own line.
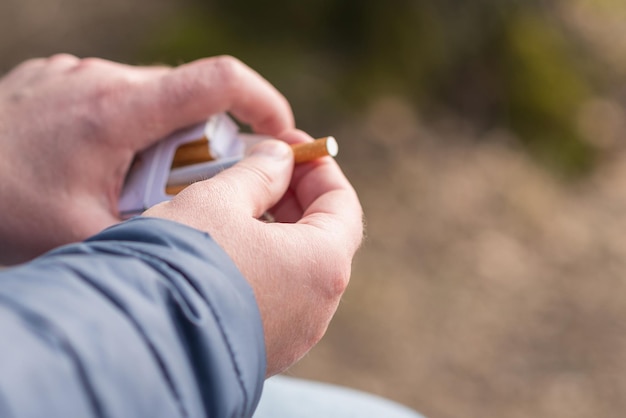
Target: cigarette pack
{"x": 155, "y": 172}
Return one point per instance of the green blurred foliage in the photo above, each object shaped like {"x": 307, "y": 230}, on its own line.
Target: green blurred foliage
{"x": 501, "y": 64}
{"x": 545, "y": 88}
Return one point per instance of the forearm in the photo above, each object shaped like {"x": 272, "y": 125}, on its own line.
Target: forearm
{"x": 148, "y": 318}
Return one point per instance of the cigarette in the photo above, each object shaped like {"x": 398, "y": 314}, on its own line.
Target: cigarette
{"x": 192, "y": 153}
{"x": 181, "y": 176}
{"x": 309, "y": 151}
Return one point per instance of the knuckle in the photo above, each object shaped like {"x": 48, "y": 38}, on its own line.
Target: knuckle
{"x": 62, "y": 58}
{"x": 338, "y": 280}
{"x": 227, "y": 71}
{"x": 334, "y": 267}
{"x": 99, "y": 65}
{"x": 189, "y": 84}
{"x": 227, "y": 63}
{"x": 88, "y": 63}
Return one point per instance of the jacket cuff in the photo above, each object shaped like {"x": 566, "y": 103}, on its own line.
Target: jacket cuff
{"x": 215, "y": 277}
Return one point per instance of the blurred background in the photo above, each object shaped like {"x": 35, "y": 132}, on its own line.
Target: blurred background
{"x": 485, "y": 139}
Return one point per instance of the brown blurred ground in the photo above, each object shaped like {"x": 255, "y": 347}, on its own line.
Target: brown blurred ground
{"x": 485, "y": 287}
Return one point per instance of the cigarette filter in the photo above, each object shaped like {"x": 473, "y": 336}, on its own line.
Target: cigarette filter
{"x": 309, "y": 151}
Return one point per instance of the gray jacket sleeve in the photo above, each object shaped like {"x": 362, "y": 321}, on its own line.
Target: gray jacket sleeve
{"x": 147, "y": 319}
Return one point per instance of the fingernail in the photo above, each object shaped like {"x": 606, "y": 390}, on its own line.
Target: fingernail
{"x": 273, "y": 148}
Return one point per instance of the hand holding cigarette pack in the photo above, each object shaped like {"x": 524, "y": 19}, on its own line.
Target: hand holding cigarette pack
{"x": 194, "y": 154}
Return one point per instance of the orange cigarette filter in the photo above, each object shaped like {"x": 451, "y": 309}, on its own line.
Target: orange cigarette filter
{"x": 192, "y": 153}
{"x": 309, "y": 151}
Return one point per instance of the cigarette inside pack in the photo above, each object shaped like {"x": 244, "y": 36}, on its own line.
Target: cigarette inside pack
{"x": 195, "y": 152}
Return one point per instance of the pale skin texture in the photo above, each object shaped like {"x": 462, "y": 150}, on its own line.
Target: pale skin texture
{"x": 69, "y": 129}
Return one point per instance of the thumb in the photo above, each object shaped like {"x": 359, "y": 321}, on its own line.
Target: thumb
{"x": 259, "y": 180}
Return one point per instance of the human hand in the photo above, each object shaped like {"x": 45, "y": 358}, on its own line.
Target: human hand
{"x": 298, "y": 266}
{"x": 69, "y": 129}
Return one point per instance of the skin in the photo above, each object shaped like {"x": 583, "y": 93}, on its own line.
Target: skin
{"x": 69, "y": 129}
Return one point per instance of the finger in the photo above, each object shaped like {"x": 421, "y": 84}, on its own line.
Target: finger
{"x": 33, "y": 70}
{"x": 296, "y": 136}
{"x": 313, "y": 179}
{"x": 60, "y": 62}
{"x": 328, "y": 200}
{"x": 288, "y": 209}
{"x": 310, "y": 196}
{"x": 192, "y": 92}
{"x": 257, "y": 182}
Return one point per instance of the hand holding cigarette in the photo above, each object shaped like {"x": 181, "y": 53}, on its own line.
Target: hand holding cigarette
{"x": 317, "y": 217}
